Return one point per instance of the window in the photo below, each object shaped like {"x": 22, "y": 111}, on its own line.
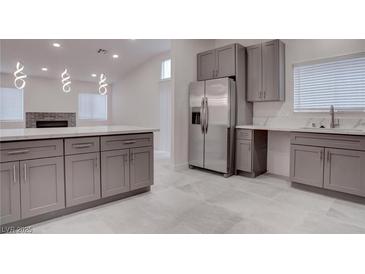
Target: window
{"x": 338, "y": 81}
{"x": 166, "y": 69}
{"x": 93, "y": 106}
{"x": 11, "y": 104}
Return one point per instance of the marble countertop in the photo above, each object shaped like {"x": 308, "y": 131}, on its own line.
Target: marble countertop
{"x": 345, "y": 131}
{"x": 47, "y": 133}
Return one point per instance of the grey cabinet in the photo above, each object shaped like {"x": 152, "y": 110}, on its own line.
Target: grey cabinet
{"x": 217, "y": 63}
{"x": 345, "y": 171}
{"x": 206, "y": 65}
{"x": 42, "y": 186}
{"x": 244, "y": 157}
{"x": 9, "y": 192}
{"x": 114, "y": 172}
{"x": 141, "y": 167}
{"x": 251, "y": 152}
{"x": 306, "y": 165}
{"x": 82, "y": 178}
{"x": 266, "y": 71}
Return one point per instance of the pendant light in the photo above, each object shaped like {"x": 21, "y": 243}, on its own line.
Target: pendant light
{"x": 19, "y": 75}
{"x": 66, "y": 82}
{"x": 103, "y": 85}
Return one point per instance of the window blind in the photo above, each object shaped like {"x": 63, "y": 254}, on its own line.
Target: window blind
{"x": 93, "y": 106}
{"x": 11, "y": 104}
{"x": 339, "y": 82}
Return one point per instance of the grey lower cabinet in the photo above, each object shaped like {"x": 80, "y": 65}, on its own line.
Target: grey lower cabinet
{"x": 251, "y": 152}
{"x": 114, "y": 172}
{"x": 266, "y": 72}
{"x": 306, "y": 165}
{"x": 82, "y": 178}
{"x": 217, "y": 63}
{"x": 42, "y": 186}
{"x": 345, "y": 171}
{"x": 141, "y": 167}
{"x": 10, "y": 192}
{"x": 335, "y": 162}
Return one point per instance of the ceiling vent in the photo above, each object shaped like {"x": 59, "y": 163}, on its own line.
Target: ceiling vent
{"x": 102, "y": 51}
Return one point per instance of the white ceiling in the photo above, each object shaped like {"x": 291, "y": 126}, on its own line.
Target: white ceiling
{"x": 80, "y": 57}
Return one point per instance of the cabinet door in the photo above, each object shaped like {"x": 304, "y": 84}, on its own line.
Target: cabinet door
{"x": 345, "y": 171}
{"x": 206, "y": 65}
{"x": 225, "y": 61}
{"x": 270, "y": 71}
{"x": 114, "y": 172}
{"x": 306, "y": 165}
{"x": 141, "y": 167}
{"x": 243, "y": 155}
{"x": 254, "y": 73}
{"x": 9, "y": 192}
{"x": 82, "y": 178}
{"x": 42, "y": 186}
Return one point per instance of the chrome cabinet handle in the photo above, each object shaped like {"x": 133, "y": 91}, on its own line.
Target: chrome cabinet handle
{"x": 25, "y": 173}
{"x": 131, "y": 157}
{"x": 18, "y": 151}
{"x": 84, "y": 145}
{"x": 129, "y": 142}
{"x": 14, "y": 173}
{"x": 321, "y": 155}
{"x": 264, "y": 94}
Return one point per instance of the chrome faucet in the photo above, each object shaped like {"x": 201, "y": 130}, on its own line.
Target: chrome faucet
{"x": 333, "y": 123}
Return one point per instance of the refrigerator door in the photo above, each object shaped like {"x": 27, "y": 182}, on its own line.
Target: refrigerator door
{"x": 218, "y": 97}
{"x": 196, "y": 124}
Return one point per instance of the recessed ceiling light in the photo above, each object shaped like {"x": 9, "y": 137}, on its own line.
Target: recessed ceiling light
{"x": 93, "y": 75}
{"x": 56, "y": 45}
{"x": 115, "y": 56}
{"x": 44, "y": 69}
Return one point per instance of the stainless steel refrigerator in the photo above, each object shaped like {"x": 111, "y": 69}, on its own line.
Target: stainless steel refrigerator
{"x": 212, "y": 120}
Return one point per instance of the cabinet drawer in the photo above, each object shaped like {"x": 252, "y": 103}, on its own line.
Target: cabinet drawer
{"x": 23, "y": 150}
{"x": 328, "y": 140}
{"x": 126, "y": 141}
{"x": 81, "y": 145}
{"x": 244, "y": 134}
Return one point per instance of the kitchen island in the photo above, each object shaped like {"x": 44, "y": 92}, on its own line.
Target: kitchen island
{"x": 50, "y": 172}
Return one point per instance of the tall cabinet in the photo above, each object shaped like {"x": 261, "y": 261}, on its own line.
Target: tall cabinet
{"x": 266, "y": 72}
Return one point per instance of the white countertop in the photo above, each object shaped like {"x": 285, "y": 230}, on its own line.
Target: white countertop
{"x": 344, "y": 131}
{"x": 47, "y": 133}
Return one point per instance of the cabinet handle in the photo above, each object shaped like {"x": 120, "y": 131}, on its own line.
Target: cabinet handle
{"x": 25, "y": 173}
{"x": 85, "y": 145}
{"x": 132, "y": 157}
{"x": 264, "y": 94}
{"x": 18, "y": 152}
{"x": 321, "y": 155}
{"x": 129, "y": 142}
{"x": 96, "y": 163}
{"x": 328, "y": 157}
{"x": 14, "y": 173}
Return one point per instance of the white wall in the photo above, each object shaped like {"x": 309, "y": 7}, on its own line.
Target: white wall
{"x": 136, "y": 97}
{"x": 281, "y": 113}
{"x": 46, "y": 95}
{"x": 184, "y": 64}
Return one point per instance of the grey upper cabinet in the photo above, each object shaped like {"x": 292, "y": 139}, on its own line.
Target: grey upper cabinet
{"x": 266, "y": 71}
{"x": 217, "y": 63}
{"x": 141, "y": 167}
{"x": 306, "y": 165}
{"x": 42, "y": 186}
{"x": 243, "y": 155}
{"x": 225, "y": 61}
{"x": 114, "y": 172}
{"x": 82, "y": 178}
{"x": 345, "y": 171}
{"x": 206, "y": 65}
{"x": 254, "y": 73}
{"x": 9, "y": 192}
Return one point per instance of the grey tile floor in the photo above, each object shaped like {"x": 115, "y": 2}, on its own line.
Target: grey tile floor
{"x": 193, "y": 201}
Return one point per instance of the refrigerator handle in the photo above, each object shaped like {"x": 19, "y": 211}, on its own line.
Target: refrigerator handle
{"x": 202, "y": 114}
{"x": 206, "y": 115}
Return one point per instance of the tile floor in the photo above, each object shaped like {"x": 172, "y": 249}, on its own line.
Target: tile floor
{"x": 192, "y": 201}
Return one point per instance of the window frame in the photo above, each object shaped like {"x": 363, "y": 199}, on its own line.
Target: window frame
{"x": 162, "y": 71}
{"x": 22, "y": 108}
{"x": 320, "y": 61}
{"x": 92, "y": 119}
